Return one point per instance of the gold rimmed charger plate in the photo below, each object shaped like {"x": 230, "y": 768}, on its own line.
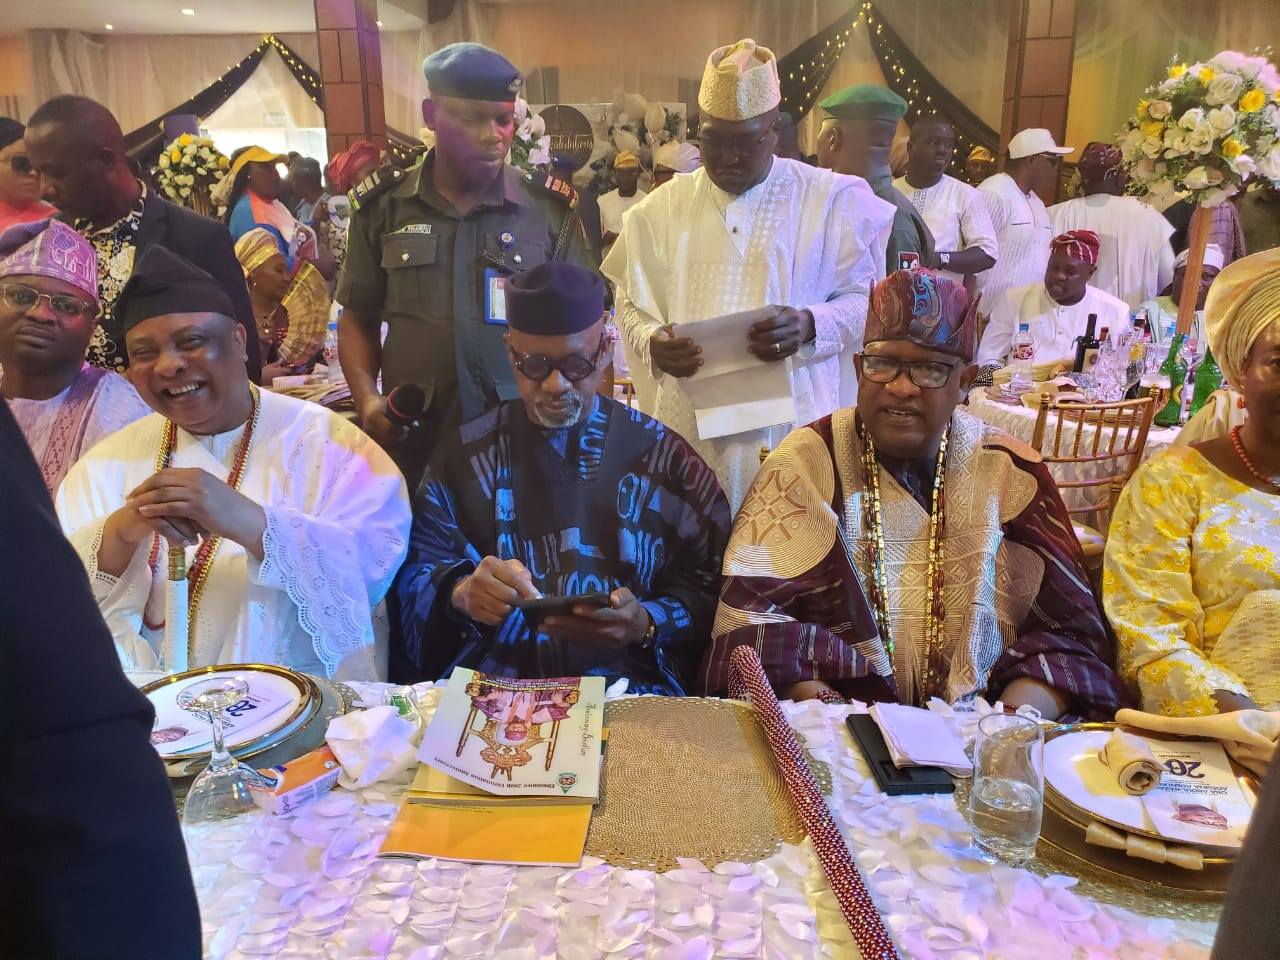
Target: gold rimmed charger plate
{"x": 1064, "y": 829}
{"x": 308, "y": 706}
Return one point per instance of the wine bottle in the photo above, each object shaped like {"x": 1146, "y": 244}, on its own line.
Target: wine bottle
{"x": 1208, "y": 378}
{"x": 1091, "y": 354}
{"x": 1086, "y": 343}
{"x": 1173, "y": 372}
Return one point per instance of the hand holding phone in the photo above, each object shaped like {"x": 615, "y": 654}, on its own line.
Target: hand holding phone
{"x": 490, "y": 593}
{"x": 610, "y": 620}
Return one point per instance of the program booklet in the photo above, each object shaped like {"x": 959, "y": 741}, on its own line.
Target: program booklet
{"x": 519, "y": 738}
{"x": 1199, "y": 799}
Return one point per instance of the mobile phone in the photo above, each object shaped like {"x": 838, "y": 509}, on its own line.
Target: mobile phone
{"x": 535, "y": 611}
{"x": 892, "y": 780}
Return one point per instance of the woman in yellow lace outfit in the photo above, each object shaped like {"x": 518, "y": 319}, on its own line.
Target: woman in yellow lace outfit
{"x": 1192, "y": 575}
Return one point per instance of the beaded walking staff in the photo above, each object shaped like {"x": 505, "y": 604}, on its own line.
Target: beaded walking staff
{"x": 931, "y": 684}
{"x": 185, "y": 585}
{"x": 747, "y": 681}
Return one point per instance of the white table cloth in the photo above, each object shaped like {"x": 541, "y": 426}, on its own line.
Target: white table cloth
{"x": 1020, "y": 422}
{"x": 309, "y": 885}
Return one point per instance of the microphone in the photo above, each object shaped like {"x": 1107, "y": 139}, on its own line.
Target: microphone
{"x": 405, "y": 404}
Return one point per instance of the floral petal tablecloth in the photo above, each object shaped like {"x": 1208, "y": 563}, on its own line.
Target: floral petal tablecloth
{"x": 310, "y": 886}
{"x": 1020, "y": 422}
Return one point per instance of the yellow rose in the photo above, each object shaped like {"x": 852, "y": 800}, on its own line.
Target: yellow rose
{"x": 185, "y": 139}
{"x": 1253, "y": 101}
{"x": 1152, "y": 128}
{"x": 175, "y": 155}
{"x": 1206, "y": 75}
{"x": 1177, "y": 70}
{"x": 1232, "y": 148}
{"x": 1142, "y": 107}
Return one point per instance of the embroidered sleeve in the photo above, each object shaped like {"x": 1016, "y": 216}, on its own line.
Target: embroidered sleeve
{"x": 336, "y": 551}
{"x": 1150, "y": 594}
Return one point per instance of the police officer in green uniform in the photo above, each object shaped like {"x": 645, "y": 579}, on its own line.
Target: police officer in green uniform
{"x": 430, "y": 248}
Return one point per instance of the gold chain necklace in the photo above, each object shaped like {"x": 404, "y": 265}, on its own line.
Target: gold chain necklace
{"x": 932, "y": 681}
{"x": 197, "y": 575}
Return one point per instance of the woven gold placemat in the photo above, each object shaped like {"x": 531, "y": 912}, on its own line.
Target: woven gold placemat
{"x": 688, "y": 777}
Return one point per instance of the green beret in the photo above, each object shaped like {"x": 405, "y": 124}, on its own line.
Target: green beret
{"x": 471, "y": 71}
{"x": 880, "y": 102}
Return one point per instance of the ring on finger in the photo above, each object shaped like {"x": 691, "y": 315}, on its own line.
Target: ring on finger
{"x": 777, "y": 348}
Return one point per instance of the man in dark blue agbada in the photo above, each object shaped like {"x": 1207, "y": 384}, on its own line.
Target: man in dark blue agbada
{"x": 564, "y": 492}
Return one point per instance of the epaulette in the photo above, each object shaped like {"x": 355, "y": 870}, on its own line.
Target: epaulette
{"x": 1019, "y": 448}
{"x": 375, "y": 185}
{"x": 562, "y": 189}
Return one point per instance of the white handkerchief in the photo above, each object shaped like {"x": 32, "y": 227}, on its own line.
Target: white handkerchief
{"x": 371, "y": 745}
{"x": 919, "y": 738}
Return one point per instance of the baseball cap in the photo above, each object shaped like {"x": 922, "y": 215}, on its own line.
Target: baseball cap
{"x": 1033, "y": 140}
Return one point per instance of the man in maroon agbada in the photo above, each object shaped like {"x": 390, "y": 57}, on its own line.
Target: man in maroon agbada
{"x": 903, "y": 549}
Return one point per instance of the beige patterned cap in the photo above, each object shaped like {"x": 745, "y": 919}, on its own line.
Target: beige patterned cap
{"x": 740, "y": 82}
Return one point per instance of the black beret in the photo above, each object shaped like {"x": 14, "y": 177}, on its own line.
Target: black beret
{"x": 554, "y": 300}
{"x": 471, "y": 71}
{"x": 164, "y": 283}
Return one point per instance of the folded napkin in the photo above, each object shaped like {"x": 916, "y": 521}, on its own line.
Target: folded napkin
{"x": 371, "y": 745}
{"x": 1131, "y": 760}
{"x": 1144, "y": 848}
{"x": 1249, "y": 736}
{"x": 918, "y": 738}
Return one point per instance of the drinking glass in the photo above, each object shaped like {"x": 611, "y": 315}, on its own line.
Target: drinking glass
{"x": 221, "y": 791}
{"x": 1007, "y": 799}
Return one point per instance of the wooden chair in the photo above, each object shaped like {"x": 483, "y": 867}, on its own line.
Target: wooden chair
{"x": 1111, "y": 435}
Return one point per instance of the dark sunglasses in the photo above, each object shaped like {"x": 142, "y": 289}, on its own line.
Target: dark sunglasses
{"x": 21, "y": 164}
{"x": 575, "y": 368}
{"x": 21, "y": 297}
{"x": 926, "y": 374}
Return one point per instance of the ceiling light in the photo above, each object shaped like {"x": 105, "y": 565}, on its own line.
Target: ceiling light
{"x": 378, "y": 22}
{"x": 188, "y": 12}
{"x": 108, "y": 26}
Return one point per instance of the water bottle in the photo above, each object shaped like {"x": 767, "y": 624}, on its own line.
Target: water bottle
{"x": 1022, "y": 358}
{"x": 331, "y": 363}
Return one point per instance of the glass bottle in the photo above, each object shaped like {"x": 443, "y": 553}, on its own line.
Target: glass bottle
{"x": 1208, "y": 378}
{"x": 1175, "y": 369}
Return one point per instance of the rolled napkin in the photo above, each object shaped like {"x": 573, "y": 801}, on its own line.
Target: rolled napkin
{"x": 1144, "y": 848}
{"x": 1249, "y": 736}
{"x": 1131, "y": 760}
{"x": 371, "y": 745}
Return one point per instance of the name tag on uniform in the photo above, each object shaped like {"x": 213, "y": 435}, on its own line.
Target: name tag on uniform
{"x": 495, "y": 297}
{"x": 413, "y": 228}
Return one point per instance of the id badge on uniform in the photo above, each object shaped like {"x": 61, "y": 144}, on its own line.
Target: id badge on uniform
{"x": 495, "y": 298}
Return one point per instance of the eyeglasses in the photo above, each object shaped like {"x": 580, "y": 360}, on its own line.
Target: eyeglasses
{"x": 710, "y": 143}
{"x": 575, "y": 368}
{"x": 926, "y": 374}
{"x": 21, "y": 164}
{"x": 21, "y": 297}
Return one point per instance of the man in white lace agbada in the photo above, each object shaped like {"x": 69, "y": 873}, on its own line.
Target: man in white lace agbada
{"x": 748, "y": 230}
{"x": 293, "y": 522}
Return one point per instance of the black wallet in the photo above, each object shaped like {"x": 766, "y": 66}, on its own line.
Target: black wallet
{"x": 893, "y": 781}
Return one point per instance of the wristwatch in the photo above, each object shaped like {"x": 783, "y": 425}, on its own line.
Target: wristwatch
{"x": 944, "y": 259}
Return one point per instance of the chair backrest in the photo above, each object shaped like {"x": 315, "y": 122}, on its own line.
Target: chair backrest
{"x": 1111, "y": 436}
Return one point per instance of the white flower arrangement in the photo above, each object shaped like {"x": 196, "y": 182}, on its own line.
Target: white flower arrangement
{"x": 188, "y": 169}
{"x": 1206, "y": 129}
{"x": 531, "y": 146}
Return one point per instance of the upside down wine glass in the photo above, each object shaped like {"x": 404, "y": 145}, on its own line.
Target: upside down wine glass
{"x": 221, "y": 791}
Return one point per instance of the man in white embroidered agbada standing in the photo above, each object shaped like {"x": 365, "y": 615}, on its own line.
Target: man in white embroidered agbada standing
{"x": 293, "y": 522}
{"x": 745, "y": 231}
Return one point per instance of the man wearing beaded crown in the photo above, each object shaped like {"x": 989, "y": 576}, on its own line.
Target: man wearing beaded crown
{"x": 902, "y": 549}
{"x": 292, "y": 521}
{"x": 745, "y": 231}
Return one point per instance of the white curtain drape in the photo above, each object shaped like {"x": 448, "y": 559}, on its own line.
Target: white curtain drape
{"x": 142, "y": 77}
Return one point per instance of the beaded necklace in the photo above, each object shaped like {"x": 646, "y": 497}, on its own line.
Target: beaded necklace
{"x": 932, "y": 679}
{"x": 1238, "y": 445}
{"x": 197, "y": 575}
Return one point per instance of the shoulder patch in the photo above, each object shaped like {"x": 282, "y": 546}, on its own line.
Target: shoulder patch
{"x": 562, "y": 189}
{"x": 1000, "y": 440}
{"x": 375, "y": 185}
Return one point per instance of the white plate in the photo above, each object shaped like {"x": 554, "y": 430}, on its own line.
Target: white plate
{"x": 1072, "y": 767}
{"x": 277, "y": 696}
